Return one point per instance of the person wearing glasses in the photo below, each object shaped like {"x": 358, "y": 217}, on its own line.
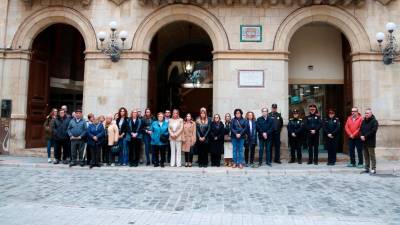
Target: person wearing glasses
{"x": 352, "y": 128}
{"x": 265, "y": 127}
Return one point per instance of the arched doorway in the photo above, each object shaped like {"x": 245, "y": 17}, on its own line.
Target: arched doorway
{"x": 56, "y": 74}
{"x": 176, "y": 47}
{"x": 320, "y": 71}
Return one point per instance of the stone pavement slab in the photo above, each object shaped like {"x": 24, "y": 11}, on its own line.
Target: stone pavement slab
{"x": 59, "y": 195}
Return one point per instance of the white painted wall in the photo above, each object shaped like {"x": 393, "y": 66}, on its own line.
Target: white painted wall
{"x": 320, "y": 46}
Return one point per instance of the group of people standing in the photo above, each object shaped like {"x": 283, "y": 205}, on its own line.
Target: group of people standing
{"x": 166, "y": 136}
{"x": 361, "y": 134}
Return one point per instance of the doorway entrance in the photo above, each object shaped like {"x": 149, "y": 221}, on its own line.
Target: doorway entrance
{"x": 320, "y": 72}
{"x": 180, "y": 69}
{"x": 55, "y": 77}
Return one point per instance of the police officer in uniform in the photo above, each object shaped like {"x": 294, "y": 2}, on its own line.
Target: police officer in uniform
{"x": 331, "y": 126}
{"x": 276, "y": 135}
{"x": 312, "y": 125}
{"x": 295, "y": 129}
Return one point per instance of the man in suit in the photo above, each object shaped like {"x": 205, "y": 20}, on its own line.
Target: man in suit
{"x": 265, "y": 128}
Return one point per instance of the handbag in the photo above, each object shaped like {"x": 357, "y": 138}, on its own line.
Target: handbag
{"x": 244, "y": 134}
{"x": 115, "y": 148}
{"x": 164, "y": 138}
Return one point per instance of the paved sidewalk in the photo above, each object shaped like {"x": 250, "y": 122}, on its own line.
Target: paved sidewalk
{"x": 34, "y": 192}
{"x": 384, "y": 167}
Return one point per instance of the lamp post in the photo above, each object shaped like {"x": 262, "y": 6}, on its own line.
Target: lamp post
{"x": 113, "y": 49}
{"x": 390, "y": 50}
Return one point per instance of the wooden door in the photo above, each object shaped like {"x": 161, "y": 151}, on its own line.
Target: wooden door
{"x": 38, "y": 93}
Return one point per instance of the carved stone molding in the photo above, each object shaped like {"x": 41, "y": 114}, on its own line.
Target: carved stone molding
{"x": 258, "y": 3}
{"x": 119, "y": 2}
{"x": 83, "y": 2}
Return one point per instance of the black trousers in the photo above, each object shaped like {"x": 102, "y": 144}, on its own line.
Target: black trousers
{"x": 188, "y": 157}
{"x": 249, "y": 149}
{"x": 112, "y": 155}
{"x": 202, "y": 149}
{"x": 88, "y": 156}
{"x": 331, "y": 147}
{"x": 159, "y": 152}
{"x": 295, "y": 147}
{"x": 95, "y": 151}
{"x": 105, "y": 155}
{"x": 276, "y": 145}
{"x": 313, "y": 143}
{"x": 168, "y": 150}
{"x": 134, "y": 151}
{"x": 66, "y": 149}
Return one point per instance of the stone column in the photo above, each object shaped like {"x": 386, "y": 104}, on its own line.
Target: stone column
{"x": 111, "y": 85}
{"x": 15, "y": 74}
{"x": 376, "y": 86}
{"x": 227, "y": 95}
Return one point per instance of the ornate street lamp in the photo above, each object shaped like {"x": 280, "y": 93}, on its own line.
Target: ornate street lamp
{"x": 390, "y": 50}
{"x": 113, "y": 48}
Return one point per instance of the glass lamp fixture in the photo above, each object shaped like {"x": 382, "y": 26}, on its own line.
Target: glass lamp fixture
{"x": 390, "y": 50}
{"x": 113, "y": 49}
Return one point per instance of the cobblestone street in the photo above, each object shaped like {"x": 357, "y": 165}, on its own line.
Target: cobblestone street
{"x": 32, "y": 195}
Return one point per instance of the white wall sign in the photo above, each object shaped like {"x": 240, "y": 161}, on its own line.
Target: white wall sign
{"x": 251, "y": 78}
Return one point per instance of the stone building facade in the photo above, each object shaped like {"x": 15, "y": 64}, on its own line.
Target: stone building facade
{"x": 107, "y": 85}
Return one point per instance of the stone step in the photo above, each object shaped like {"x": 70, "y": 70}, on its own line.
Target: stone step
{"x": 323, "y": 156}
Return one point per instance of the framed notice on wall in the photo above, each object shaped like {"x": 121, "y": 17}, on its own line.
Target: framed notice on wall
{"x": 250, "y": 33}
{"x": 251, "y": 78}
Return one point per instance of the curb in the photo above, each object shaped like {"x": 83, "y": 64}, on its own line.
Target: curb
{"x": 211, "y": 170}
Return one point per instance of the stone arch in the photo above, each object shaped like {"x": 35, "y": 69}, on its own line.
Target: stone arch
{"x": 346, "y": 23}
{"x": 179, "y": 12}
{"x": 43, "y": 18}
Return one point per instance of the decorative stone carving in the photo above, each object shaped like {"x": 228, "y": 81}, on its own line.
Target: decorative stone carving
{"x": 118, "y": 2}
{"x": 358, "y": 3}
{"x": 384, "y": 2}
{"x": 83, "y": 2}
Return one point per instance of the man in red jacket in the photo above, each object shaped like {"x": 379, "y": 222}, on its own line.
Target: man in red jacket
{"x": 353, "y": 125}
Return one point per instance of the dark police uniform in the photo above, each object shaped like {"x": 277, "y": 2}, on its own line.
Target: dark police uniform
{"x": 331, "y": 126}
{"x": 296, "y": 127}
{"x": 276, "y": 134}
{"x": 312, "y": 122}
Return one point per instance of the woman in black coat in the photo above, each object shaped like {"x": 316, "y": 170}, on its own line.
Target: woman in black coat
{"x": 203, "y": 127}
{"x": 217, "y": 133}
